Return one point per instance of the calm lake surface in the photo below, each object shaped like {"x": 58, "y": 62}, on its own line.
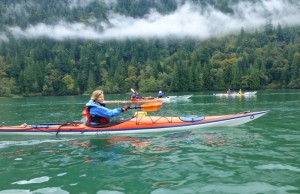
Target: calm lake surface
{"x": 262, "y": 156}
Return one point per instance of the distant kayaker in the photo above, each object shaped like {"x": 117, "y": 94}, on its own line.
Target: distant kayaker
{"x": 240, "y": 92}
{"x": 135, "y": 96}
{"x": 160, "y": 94}
{"x": 96, "y": 111}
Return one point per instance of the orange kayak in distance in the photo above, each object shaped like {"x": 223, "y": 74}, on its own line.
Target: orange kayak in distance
{"x": 135, "y": 101}
{"x": 152, "y": 99}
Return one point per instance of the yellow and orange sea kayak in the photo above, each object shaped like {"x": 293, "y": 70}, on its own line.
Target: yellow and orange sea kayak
{"x": 140, "y": 123}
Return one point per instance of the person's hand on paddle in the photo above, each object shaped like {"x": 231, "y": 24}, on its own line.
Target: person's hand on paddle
{"x": 125, "y": 108}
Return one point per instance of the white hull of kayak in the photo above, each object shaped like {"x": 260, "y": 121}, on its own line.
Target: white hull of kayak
{"x": 175, "y": 98}
{"x": 246, "y": 94}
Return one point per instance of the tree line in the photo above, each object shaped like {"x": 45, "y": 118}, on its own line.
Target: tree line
{"x": 251, "y": 61}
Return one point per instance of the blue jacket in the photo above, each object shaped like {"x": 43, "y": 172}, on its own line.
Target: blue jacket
{"x": 135, "y": 96}
{"x": 97, "y": 110}
{"x": 160, "y": 95}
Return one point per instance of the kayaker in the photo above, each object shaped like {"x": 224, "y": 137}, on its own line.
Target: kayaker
{"x": 160, "y": 94}
{"x": 135, "y": 96}
{"x": 241, "y": 92}
{"x": 96, "y": 111}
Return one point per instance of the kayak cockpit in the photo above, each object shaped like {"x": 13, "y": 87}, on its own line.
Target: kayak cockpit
{"x": 110, "y": 124}
{"x": 192, "y": 119}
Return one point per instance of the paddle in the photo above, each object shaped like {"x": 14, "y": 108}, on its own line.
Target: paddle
{"x": 132, "y": 90}
{"x": 149, "y": 106}
{"x": 146, "y": 107}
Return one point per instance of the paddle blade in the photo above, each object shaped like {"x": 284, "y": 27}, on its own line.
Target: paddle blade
{"x": 132, "y": 90}
{"x": 151, "y": 106}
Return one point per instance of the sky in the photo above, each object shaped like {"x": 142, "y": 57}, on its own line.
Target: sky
{"x": 188, "y": 20}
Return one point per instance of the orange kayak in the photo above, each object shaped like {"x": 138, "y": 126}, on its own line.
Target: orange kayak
{"x": 166, "y": 99}
{"x": 140, "y": 123}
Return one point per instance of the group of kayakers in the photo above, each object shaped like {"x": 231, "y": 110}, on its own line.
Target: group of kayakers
{"x": 97, "y": 113}
{"x": 229, "y": 92}
{"x": 136, "y": 96}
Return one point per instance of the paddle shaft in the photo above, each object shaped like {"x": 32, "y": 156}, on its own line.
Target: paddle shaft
{"x": 148, "y": 106}
{"x": 134, "y": 107}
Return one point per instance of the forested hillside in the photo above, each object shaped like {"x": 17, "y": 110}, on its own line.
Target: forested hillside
{"x": 73, "y": 47}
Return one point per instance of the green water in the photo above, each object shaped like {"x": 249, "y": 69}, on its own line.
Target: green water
{"x": 258, "y": 157}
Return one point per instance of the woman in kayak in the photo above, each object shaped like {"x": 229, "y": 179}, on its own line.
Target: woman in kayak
{"x": 96, "y": 111}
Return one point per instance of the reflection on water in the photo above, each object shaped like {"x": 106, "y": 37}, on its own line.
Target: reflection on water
{"x": 157, "y": 159}
{"x": 107, "y": 146}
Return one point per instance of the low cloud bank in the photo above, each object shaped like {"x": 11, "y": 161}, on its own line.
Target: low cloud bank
{"x": 188, "y": 20}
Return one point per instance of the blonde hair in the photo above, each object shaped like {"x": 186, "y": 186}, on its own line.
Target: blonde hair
{"x": 96, "y": 94}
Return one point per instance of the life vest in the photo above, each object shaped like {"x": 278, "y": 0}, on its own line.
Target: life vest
{"x": 96, "y": 119}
